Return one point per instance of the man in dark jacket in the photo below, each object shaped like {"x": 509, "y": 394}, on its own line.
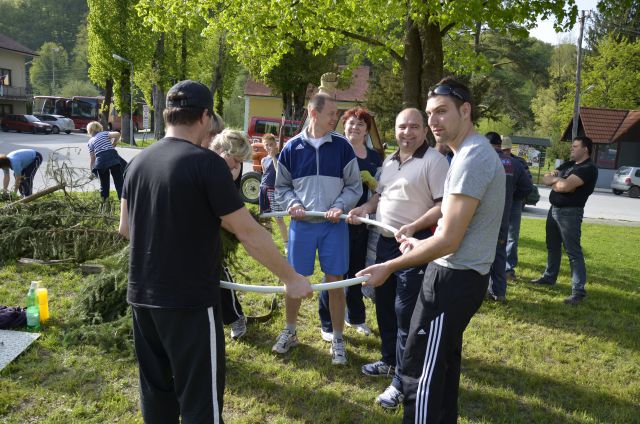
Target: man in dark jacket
{"x": 518, "y": 185}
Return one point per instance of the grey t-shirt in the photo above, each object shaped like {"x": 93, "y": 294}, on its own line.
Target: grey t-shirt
{"x": 476, "y": 171}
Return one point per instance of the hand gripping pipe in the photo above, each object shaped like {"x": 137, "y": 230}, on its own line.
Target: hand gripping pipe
{"x": 315, "y": 287}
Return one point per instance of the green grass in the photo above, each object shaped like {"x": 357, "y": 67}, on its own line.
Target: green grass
{"x": 531, "y": 360}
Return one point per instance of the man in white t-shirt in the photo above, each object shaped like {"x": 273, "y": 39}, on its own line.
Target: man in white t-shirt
{"x": 408, "y": 198}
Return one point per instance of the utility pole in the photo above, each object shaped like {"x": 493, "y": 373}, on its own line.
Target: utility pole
{"x": 576, "y": 102}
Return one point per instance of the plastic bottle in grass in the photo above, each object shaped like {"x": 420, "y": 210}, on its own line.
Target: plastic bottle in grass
{"x": 33, "y": 308}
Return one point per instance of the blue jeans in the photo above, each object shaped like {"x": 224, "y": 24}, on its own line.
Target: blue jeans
{"x": 564, "y": 227}
{"x": 395, "y": 301}
{"x": 513, "y": 235}
{"x": 498, "y": 285}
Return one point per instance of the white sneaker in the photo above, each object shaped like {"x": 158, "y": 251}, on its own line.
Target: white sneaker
{"x": 391, "y": 398}
{"x": 285, "y": 341}
{"x": 239, "y": 327}
{"x": 360, "y": 328}
{"x": 327, "y": 336}
{"x": 338, "y": 352}
{"x": 286, "y": 248}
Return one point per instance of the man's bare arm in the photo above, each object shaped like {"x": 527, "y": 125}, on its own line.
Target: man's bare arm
{"x": 123, "y": 228}
{"x": 456, "y": 218}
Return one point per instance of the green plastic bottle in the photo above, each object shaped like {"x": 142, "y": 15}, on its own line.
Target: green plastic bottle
{"x": 33, "y": 308}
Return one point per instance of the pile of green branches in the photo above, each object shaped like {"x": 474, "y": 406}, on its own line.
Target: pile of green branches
{"x": 58, "y": 227}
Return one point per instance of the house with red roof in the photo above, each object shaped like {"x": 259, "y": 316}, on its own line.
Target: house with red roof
{"x": 616, "y": 139}
{"x": 14, "y": 95}
{"x": 261, "y": 101}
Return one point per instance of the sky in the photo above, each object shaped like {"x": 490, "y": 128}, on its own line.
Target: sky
{"x": 545, "y": 32}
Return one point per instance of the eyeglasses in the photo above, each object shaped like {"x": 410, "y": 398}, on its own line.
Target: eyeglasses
{"x": 447, "y": 90}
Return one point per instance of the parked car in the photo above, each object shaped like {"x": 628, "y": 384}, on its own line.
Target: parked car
{"x": 259, "y": 126}
{"x": 25, "y": 123}
{"x": 626, "y": 178}
{"x": 57, "y": 122}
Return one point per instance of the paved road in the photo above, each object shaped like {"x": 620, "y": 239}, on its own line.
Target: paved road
{"x": 602, "y": 205}
{"x": 74, "y": 148}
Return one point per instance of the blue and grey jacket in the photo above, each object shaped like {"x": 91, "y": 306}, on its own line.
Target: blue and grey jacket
{"x": 320, "y": 179}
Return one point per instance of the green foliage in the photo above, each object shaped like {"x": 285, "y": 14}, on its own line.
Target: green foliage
{"x": 384, "y": 97}
{"x": 49, "y": 69}
{"x": 34, "y": 22}
{"x": 613, "y": 75}
{"x": 57, "y": 228}
{"x": 264, "y": 33}
{"x": 619, "y": 19}
{"x": 78, "y": 88}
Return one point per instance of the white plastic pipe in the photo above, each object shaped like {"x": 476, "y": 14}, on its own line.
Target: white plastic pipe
{"x": 367, "y": 221}
{"x": 315, "y": 287}
{"x": 280, "y": 289}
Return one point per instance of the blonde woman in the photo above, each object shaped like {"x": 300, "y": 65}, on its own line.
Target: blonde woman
{"x": 234, "y": 147}
{"x": 105, "y": 158}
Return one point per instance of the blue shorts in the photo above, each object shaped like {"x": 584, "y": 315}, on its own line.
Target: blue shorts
{"x": 330, "y": 240}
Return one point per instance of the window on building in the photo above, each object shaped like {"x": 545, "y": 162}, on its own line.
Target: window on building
{"x": 605, "y": 155}
{"x": 5, "y": 76}
{"x": 5, "y": 110}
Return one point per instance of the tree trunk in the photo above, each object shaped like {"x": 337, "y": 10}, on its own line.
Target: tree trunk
{"x": 157, "y": 93}
{"x": 412, "y": 67}
{"x": 108, "y": 98}
{"x": 217, "y": 83}
{"x": 432, "y": 60}
{"x": 125, "y": 93}
{"x": 183, "y": 56}
{"x": 287, "y": 105}
{"x": 299, "y": 97}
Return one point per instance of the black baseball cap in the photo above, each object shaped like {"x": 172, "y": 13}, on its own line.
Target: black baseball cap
{"x": 189, "y": 93}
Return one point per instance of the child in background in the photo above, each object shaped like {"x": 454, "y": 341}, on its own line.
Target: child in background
{"x": 267, "y": 185}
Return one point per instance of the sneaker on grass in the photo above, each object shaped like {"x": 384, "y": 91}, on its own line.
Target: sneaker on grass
{"x": 327, "y": 336}
{"x": 285, "y": 341}
{"x": 239, "y": 327}
{"x": 391, "y": 398}
{"x": 338, "y": 352}
{"x": 360, "y": 328}
{"x": 379, "y": 369}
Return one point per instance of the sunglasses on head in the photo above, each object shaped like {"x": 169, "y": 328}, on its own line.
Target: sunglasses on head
{"x": 447, "y": 90}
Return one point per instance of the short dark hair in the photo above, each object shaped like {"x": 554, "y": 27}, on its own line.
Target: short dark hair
{"x": 494, "y": 138}
{"x": 4, "y": 161}
{"x": 586, "y": 142}
{"x": 182, "y": 115}
{"x": 358, "y": 113}
{"x": 460, "y": 89}
{"x": 318, "y": 101}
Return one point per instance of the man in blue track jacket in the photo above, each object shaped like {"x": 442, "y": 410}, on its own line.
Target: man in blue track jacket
{"x": 318, "y": 171}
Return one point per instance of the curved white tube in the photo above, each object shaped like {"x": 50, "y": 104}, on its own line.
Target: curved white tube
{"x": 315, "y": 287}
{"x": 367, "y": 221}
{"x": 280, "y": 289}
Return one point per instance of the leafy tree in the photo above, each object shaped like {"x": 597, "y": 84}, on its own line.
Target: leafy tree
{"x": 114, "y": 27}
{"x": 410, "y": 33}
{"x": 79, "y": 66}
{"x": 49, "y": 69}
{"x": 78, "y": 88}
{"x": 34, "y": 22}
{"x": 619, "y": 19}
{"x": 613, "y": 74}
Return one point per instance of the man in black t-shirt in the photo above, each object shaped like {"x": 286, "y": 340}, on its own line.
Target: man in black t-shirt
{"x": 176, "y": 195}
{"x": 571, "y": 185}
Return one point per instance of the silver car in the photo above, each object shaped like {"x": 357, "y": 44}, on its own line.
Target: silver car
{"x": 627, "y": 178}
{"x": 58, "y": 122}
